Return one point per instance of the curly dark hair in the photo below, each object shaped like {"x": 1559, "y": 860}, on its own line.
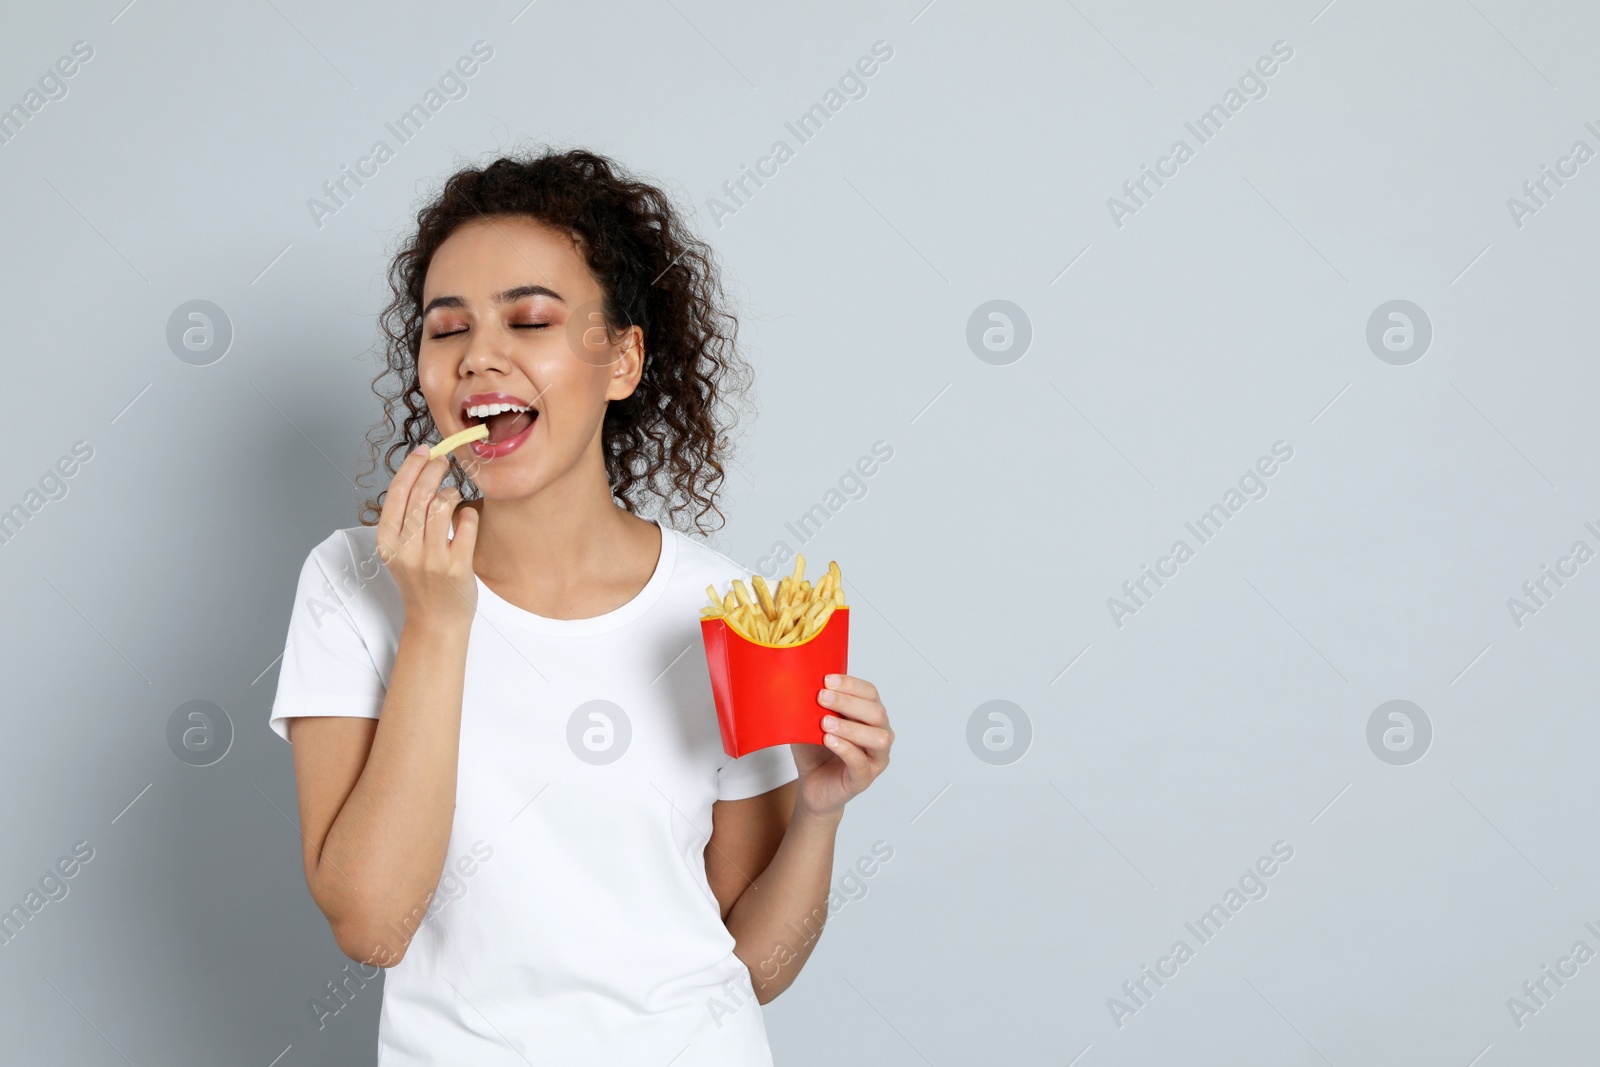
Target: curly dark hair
{"x": 669, "y": 438}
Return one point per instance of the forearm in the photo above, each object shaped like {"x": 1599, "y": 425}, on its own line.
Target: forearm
{"x": 384, "y": 853}
{"x": 778, "y": 918}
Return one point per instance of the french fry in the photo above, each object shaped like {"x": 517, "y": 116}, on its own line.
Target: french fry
{"x": 768, "y": 608}
{"x": 456, "y": 440}
{"x": 816, "y": 623}
{"x": 791, "y": 614}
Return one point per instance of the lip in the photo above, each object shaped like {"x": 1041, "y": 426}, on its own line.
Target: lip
{"x": 483, "y": 449}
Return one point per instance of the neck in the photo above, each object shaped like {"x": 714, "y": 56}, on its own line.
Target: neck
{"x": 568, "y": 528}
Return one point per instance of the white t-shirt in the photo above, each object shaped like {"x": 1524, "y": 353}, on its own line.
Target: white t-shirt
{"x": 573, "y": 923}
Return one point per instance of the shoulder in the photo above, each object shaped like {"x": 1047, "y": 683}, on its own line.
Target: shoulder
{"x": 697, "y": 564}
{"x": 345, "y": 565}
{"x": 342, "y": 573}
{"x": 346, "y": 549}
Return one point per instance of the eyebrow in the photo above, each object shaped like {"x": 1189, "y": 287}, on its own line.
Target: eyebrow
{"x": 507, "y": 297}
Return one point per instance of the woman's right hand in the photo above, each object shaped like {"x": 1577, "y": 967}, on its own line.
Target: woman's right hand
{"x": 437, "y": 583}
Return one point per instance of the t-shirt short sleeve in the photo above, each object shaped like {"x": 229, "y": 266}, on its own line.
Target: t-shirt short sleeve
{"x": 327, "y": 667}
{"x": 756, "y": 772}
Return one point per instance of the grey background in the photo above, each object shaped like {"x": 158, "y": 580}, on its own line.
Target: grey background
{"x": 1167, "y": 355}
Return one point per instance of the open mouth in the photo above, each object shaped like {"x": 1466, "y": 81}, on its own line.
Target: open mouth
{"x": 509, "y": 419}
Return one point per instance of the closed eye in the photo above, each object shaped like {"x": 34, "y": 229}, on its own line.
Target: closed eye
{"x": 514, "y": 326}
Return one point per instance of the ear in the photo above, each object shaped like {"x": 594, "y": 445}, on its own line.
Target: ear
{"x": 629, "y": 365}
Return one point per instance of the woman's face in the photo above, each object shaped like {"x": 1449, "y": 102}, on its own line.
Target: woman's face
{"x": 511, "y": 319}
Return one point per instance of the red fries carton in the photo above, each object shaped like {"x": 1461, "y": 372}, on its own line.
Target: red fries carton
{"x": 767, "y": 694}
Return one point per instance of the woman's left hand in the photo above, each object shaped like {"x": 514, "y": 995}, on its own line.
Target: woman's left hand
{"x": 855, "y": 751}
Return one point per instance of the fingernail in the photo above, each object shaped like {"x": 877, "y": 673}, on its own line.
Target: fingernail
{"x": 420, "y": 450}
{"x": 826, "y": 697}
{"x": 830, "y": 723}
{"x": 830, "y": 679}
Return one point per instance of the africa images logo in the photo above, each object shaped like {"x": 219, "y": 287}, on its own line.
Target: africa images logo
{"x": 452, "y": 85}
{"x": 1252, "y": 885}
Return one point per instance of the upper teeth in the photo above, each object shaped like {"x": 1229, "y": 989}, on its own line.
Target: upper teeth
{"x": 483, "y": 411}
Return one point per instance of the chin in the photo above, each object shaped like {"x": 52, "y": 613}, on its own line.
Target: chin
{"x": 507, "y": 485}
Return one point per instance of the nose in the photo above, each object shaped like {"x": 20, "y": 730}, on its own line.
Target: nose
{"x": 486, "y": 351}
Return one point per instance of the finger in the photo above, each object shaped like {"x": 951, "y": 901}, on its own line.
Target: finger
{"x": 849, "y": 683}
{"x": 422, "y": 491}
{"x": 392, "y": 517}
{"x": 860, "y": 709}
{"x": 466, "y": 539}
{"x": 873, "y": 740}
{"x": 856, "y": 762}
{"x": 436, "y": 534}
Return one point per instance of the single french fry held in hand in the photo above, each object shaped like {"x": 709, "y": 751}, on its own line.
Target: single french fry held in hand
{"x": 796, "y": 612}
{"x": 456, "y": 440}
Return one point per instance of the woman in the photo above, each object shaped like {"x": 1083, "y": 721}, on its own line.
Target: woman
{"x": 512, "y": 789}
